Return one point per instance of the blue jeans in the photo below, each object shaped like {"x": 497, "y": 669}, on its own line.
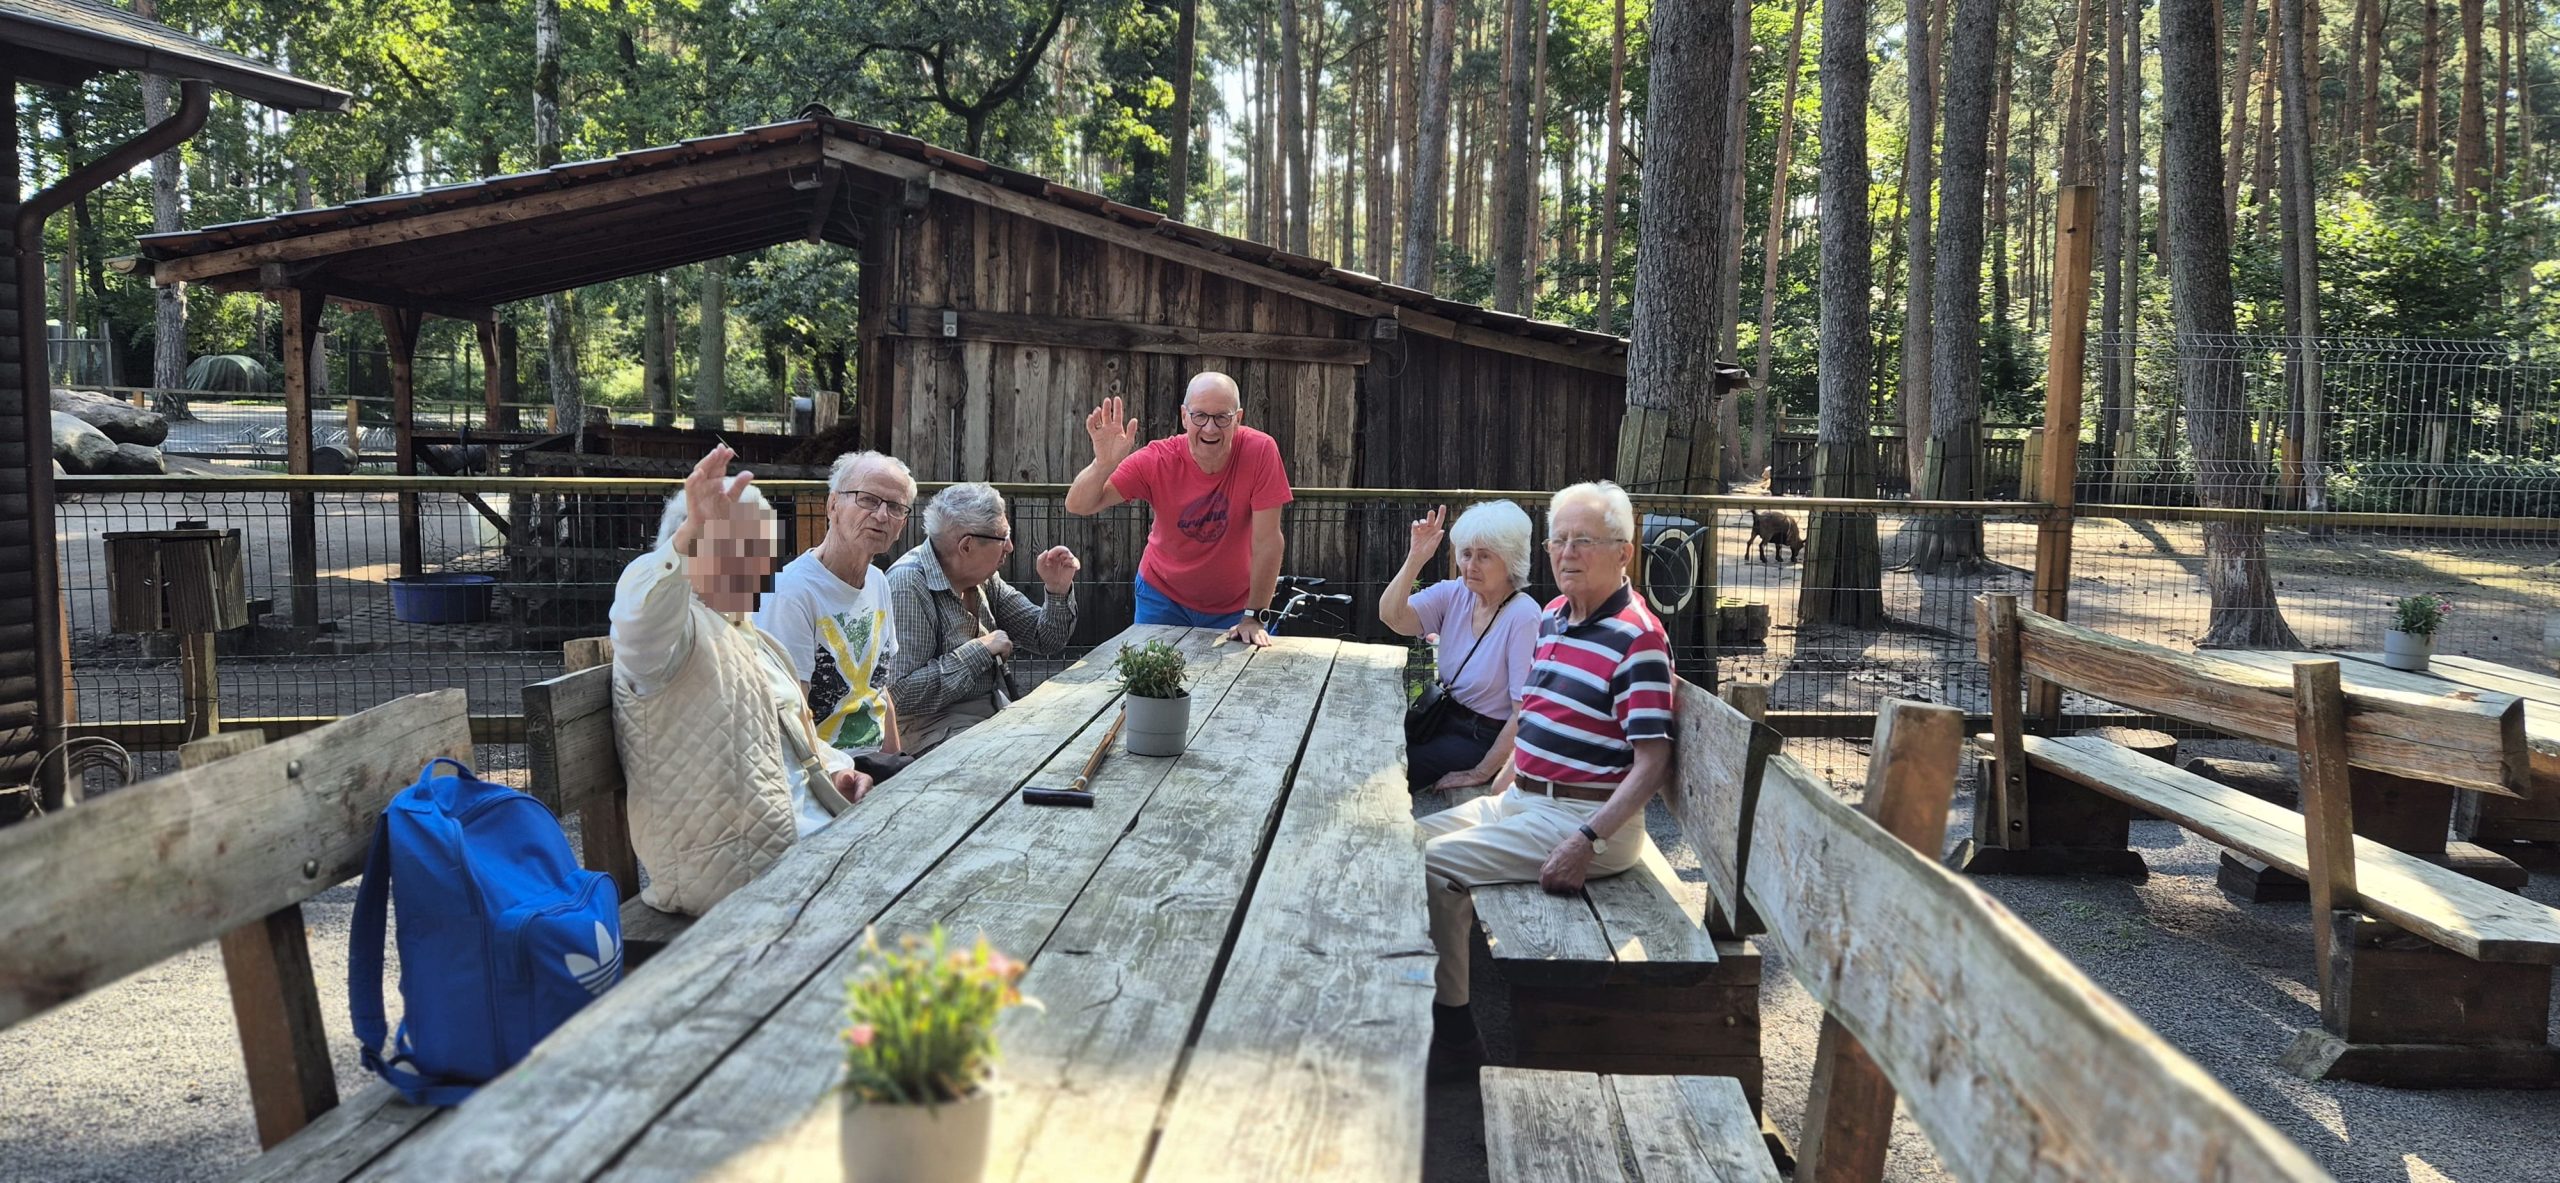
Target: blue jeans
{"x": 1155, "y": 608}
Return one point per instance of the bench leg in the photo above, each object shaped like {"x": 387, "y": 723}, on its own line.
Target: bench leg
{"x": 2409, "y": 1014}
{"x": 2072, "y": 831}
{"x": 1711, "y": 1028}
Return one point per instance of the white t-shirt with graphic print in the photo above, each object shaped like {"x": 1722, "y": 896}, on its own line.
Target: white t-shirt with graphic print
{"x": 839, "y": 637}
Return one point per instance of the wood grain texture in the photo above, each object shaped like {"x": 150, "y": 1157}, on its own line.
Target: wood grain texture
{"x": 2540, "y": 692}
{"x": 2455, "y": 911}
{"x": 1652, "y": 922}
{"x": 90, "y": 894}
{"x": 1012, "y": 880}
{"x": 2328, "y": 804}
{"x": 2005, "y": 822}
{"x": 342, "y": 1141}
{"x": 1549, "y": 1127}
{"x": 1692, "y": 1128}
{"x": 2406, "y": 725}
{"x": 1310, "y": 1064}
{"x": 1719, "y": 752}
{"x": 2014, "y": 1064}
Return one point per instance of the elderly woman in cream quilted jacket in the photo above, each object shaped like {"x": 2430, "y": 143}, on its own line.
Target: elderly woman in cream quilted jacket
{"x": 716, "y": 745}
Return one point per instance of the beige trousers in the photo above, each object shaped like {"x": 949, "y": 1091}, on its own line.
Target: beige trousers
{"x": 1502, "y": 839}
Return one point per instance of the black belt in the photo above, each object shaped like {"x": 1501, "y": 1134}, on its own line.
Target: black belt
{"x": 1571, "y": 792}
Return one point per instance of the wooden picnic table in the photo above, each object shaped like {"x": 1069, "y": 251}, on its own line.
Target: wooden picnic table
{"x": 1232, "y": 949}
{"x": 2502, "y": 819}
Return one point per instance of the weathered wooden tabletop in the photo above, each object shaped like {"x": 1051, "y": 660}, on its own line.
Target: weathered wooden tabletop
{"x": 1231, "y": 947}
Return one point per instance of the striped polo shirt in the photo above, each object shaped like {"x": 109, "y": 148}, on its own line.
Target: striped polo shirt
{"x": 1594, "y": 688}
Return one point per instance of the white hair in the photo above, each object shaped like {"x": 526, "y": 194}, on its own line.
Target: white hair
{"x": 1618, "y": 513}
{"x": 853, "y": 464}
{"x": 968, "y": 508}
{"x": 673, "y": 519}
{"x": 1501, "y": 527}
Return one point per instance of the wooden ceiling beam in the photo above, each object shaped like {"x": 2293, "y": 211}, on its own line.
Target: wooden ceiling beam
{"x": 830, "y": 181}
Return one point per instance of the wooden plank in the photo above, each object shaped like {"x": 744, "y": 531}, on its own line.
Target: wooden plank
{"x": 1013, "y": 881}
{"x": 1128, "y": 337}
{"x": 2328, "y": 806}
{"x": 2005, "y": 823}
{"x": 1609, "y": 360}
{"x": 90, "y": 894}
{"x": 2452, "y": 910}
{"x": 573, "y": 765}
{"x": 2013, "y": 1063}
{"x": 1654, "y": 925}
{"x": 1549, "y": 1127}
{"x": 2472, "y": 740}
{"x": 1710, "y": 792}
{"x": 1685, "y": 1128}
{"x": 591, "y": 1089}
{"x": 1337, "y": 942}
{"x": 1911, "y": 776}
{"x": 1540, "y": 937}
{"x": 275, "y": 1004}
{"x": 2487, "y": 675}
{"x": 342, "y": 1141}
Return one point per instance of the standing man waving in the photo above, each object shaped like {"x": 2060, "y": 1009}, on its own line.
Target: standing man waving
{"x": 1213, "y": 554}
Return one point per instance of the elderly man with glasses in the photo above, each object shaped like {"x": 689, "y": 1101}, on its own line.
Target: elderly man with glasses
{"x": 960, "y": 621}
{"x": 1593, "y": 746}
{"x": 1213, "y": 554}
{"x": 830, "y": 608}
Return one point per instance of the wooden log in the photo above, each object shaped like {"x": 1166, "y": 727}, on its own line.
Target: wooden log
{"x": 1122, "y": 336}
{"x": 2262, "y": 779}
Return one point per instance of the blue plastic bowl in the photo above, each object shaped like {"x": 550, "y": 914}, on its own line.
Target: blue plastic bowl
{"x": 450, "y": 597}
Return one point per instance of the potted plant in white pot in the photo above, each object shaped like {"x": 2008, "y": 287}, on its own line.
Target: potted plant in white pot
{"x": 2411, "y": 639}
{"x": 1156, "y": 710}
{"x": 920, "y": 1053}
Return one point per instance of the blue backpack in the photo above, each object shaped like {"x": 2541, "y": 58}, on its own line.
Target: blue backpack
{"x": 502, "y": 935}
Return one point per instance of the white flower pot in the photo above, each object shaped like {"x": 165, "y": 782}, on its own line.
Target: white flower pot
{"x": 2407, "y": 651}
{"x": 1156, "y": 726}
{"x": 916, "y": 1143}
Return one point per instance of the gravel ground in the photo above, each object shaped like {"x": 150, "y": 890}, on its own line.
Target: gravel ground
{"x": 142, "y": 1080}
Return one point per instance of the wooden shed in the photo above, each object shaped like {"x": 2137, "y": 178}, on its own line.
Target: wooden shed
{"x": 997, "y": 307}
{"x": 64, "y": 43}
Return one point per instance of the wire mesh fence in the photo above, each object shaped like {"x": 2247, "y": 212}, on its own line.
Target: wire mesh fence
{"x": 1750, "y": 588}
{"x": 2351, "y": 424}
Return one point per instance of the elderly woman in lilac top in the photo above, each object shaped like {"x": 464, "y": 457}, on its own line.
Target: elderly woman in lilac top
{"x": 1485, "y": 625}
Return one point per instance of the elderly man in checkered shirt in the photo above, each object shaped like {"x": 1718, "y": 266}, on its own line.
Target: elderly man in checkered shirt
{"x": 959, "y": 622}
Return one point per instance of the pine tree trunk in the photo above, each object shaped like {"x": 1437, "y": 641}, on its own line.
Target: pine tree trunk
{"x": 1293, "y": 123}
{"x": 2073, "y": 143}
{"x": 2112, "y": 279}
{"x": 2505, "y": 82}
{"x": 2471, "y": 131}
{"x": 1537, "y": 237}
{"x": 1186, "y": 66}
{"x": 1770, "y": 244}
{"x": 2229, "y": 473}
{"x": 1728, "y": 311}
{"x": 2351, "y": 112}
{"x": 2532, "y": 187}
{"x": 1918, "y": 173}
{"x": 1667, "y": 441}
{"x": 2430, "y": 53}
{"x": 168, "y": 301}
{"x": 565, "y": 400}
{"x": 1613, "y": 166}
{"x": 1843, "y": 574}
{"x": 2262, "y": 169}
{"x": 2301, "y": 258}
{"x": 1512, "y": 169}
{"x": 2369, "y": 129}
{"x": 711, "y": 360}
{"x": 1431, "y": 160}
{"x": 657, "y": 365}
{"x": 1952, "y": 471}
{"x": 1997, "y": 219}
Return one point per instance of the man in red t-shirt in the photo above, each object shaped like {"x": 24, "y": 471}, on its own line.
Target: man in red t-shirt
{"x": 1213, "y": 554}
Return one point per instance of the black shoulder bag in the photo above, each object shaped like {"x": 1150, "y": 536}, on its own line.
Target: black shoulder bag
{"x": 1431, "y": 708}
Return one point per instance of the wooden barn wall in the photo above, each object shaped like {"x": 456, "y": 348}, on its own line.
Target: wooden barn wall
{"x": 1437, "y": 414}
{"x": 21, "y": 736}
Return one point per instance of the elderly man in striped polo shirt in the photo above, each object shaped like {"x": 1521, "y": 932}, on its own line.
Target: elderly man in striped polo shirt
{"x": 1595, "y": 726}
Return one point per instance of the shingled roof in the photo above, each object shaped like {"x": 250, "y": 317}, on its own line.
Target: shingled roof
{"x": 64, "y": 42}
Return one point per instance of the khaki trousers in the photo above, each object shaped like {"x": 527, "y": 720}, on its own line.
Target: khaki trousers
{"x": 1503, "y": 839}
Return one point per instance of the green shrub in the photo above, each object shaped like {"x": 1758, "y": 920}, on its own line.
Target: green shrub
{"x": 2419, "y": 615}
{"x": 1152, "y": 670}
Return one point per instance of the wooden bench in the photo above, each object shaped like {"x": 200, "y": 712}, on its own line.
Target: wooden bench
{"x": 2449, "y": 983}
{"x": 225, "y": 848}
{"x": 572, "y": 766}
{"x": 2012, "y": 1063}
{"x": 1624, "y": 977}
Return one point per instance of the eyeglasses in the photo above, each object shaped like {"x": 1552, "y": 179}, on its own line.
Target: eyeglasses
{"x": 1579, "y": 544}
{"x": 868, "y": 503}
{"x": 1207, "y": 419}
{"x": 1006, "y": 539}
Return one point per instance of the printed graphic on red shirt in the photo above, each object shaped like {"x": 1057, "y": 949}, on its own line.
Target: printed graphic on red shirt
{"x": 1204, "y": 520}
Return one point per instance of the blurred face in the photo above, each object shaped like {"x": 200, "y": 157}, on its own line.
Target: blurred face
{"x": 1590, "y": 560}
{"x": 1209, "y": 418}
{"x": 1485, "y": 571}
{"x": 871, "y": 511}
{"x": 733, "y": 561}
{"x": 972, "y": 558}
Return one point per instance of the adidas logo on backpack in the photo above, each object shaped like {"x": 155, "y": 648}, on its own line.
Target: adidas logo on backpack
{"x": 503, "y": 935}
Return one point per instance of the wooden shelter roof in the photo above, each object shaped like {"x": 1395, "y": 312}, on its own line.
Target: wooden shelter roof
{"x": 65, "y": 42}
{"x": 456, "y": 250}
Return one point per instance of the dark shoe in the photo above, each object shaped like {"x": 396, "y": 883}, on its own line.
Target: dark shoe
{"x": 1456, "y": 1051}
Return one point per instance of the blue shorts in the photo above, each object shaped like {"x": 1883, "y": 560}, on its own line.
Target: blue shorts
{"x": 1155, "y": 608}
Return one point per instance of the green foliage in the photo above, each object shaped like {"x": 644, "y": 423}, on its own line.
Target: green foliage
{"x": 2419, "y": 615}
{"x": 1151, "y": 670}
{"x": 920, "y": 1020}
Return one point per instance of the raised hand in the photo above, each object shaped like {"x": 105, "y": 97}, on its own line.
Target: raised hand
{"x": 1113, "y": 439}
{"x": 710, "y": 494}
{"x": 1057, "y": 567}
{"x": 1427, "y": 533}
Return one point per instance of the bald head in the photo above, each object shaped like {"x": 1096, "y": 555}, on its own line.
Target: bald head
{"x": 1211, "y": 391}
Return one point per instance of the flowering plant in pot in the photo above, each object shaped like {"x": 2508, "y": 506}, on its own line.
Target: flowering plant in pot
{"x": 2411, "y": 639}
{"x": 920, "y": 1050}
{"x": 1156, "y": 709}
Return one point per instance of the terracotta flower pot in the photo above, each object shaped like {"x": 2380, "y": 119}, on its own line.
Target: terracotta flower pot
{"x": 2407, "y": 651}
{"x": 944, "y": 1143}
{"x": 1156, "y": 726}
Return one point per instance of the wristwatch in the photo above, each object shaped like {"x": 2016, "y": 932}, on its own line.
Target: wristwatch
{"x": 1253, "y": 613}
{"x": 1599, "y": 845}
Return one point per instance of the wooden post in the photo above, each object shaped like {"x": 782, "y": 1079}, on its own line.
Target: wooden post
{"x": 301, "y": 307}
{"x": 510, "y": 390}
{"x": 2074, "y": 246}
{"x": 2000, "y": 818}
{"x": 400, "y": 335}
{"x": 2320, "y": 735}
{"x": 2439, "y": 433}
{"x": 487, "y": 330}
{"x": 199, "y": 686}
{"x": 267, "y": 962}
{"x": 1911, "y": 775}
